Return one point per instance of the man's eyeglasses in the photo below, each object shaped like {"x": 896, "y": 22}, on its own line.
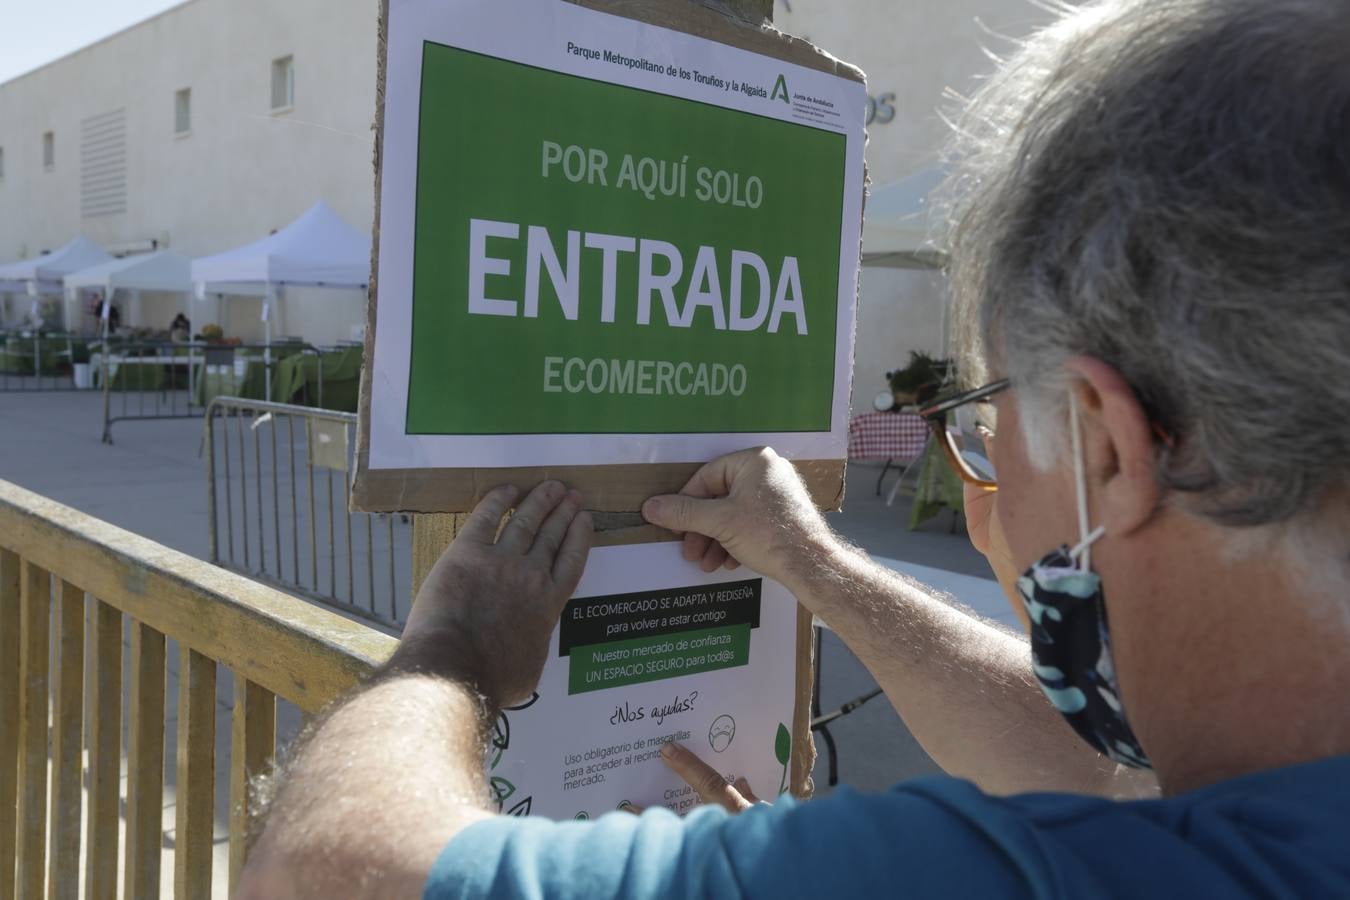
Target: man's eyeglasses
{"x": 965, "y": 443}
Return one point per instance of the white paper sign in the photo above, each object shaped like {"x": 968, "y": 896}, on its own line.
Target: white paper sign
{"x": 266, "y": 308}
{"x": 652, "y": 649}
{"x": 597, "y": 405}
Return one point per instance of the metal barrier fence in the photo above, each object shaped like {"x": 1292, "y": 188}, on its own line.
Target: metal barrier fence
{"x": 176, "y": 380}
{"x": 37, "y": 361}
{"x": 278, "y": 478}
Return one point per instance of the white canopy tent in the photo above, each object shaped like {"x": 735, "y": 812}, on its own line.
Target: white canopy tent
{"x": 897, "y": 225}
{"x": 44, "y": 274}
{"x": 163, "y": 271}
{"x": 318, "y": 249}
{"x": 902, "y": 296}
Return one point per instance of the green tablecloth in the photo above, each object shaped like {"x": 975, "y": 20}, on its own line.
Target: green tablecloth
{"x": 297, "y": 379}
{"x": 138, "y": 376}
{"x": 221, "y": 381}
{"x": 938, "y": 487}
{"x": 142, "y": 371}
{"x": 16, "y": 355}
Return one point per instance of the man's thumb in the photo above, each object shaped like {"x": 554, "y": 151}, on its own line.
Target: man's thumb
{"x": 676, "y": 512}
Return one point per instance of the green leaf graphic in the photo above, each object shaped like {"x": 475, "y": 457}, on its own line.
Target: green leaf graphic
{"x": 782, "y": 744}
{"x": 501, "y": 788}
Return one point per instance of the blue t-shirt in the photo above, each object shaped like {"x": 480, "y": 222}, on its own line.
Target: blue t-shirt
{"x": 1282, "y": 833}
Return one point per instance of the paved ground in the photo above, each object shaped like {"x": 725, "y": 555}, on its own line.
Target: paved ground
{"x": 151, "y": 480}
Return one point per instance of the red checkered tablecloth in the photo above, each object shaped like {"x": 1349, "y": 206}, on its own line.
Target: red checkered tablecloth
{"x": 886, "y": 435}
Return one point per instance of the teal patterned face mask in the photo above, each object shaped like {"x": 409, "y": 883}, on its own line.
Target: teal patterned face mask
{"x": 1070, "y": 640}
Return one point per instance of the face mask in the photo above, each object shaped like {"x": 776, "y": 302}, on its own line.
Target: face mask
{"x": 1070, "y": 641}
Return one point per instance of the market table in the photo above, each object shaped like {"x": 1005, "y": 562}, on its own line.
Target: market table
{"x": 244, "y": 377}
{"x": 150, "y": 370}
{"x": 338, "y": 371}
{"x": 886, "y": 436}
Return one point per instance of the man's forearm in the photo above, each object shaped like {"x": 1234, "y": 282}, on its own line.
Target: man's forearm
{"x": 964, "y": 687}
{"x": 374, "y": 795}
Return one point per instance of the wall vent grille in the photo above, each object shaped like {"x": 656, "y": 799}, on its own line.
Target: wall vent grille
{"x": 103, "y": 164}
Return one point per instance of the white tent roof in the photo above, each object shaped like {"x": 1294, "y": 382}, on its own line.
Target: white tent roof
{"x": 318, "y": 248}
{"x": 896, "y": 224}
{"x": 162, "y": 270}
{"x": 46, "y": 272}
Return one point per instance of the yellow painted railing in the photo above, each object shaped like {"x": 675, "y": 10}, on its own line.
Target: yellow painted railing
{"x": 54, "y": 677}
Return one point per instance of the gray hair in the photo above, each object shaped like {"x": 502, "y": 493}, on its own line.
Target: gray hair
{"x": 1165, "y": 185}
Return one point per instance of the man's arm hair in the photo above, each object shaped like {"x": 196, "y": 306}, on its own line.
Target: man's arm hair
{"x": 365, "y": 798}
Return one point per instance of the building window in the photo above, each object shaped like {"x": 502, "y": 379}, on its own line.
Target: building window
{"x": 48, "y": 150}
{"x": 283, "y": 83}
{"x": 182, "y": 111}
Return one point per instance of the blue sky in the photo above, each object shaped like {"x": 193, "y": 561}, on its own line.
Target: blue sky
{"x": 36, "y": 33}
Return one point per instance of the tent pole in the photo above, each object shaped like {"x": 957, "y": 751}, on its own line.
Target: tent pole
{"x": 107, "y": 365}
{"x": 267, "y": 335}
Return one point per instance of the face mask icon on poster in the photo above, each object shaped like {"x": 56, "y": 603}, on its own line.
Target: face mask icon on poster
{"x": 721, "y": 733}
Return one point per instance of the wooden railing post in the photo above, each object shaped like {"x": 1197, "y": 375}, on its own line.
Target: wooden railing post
{"x": 63, "y": 874}
{"x": 9, "y": 717}
{"x": 253, "y": 738}
{"x": 105, "y": 751}
{"x": 195, "y": 806}
{"x": 34, "y": 637}
{"x": 145, "y": 763}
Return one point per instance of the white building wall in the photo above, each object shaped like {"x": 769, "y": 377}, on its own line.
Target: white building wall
{"x": 914, "y": 53}
{"x": 241, "y": 172}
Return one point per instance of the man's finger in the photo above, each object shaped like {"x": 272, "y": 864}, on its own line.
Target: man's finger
{"x": 715, "y": 479}
{"x": 554, "y": 529}
{"x": 714, "y": 557}
{"x": 695, "y": 545}
{"x": 519, "y": 533}
{"x": 732, "y": 563}
{"x": 571, "y": 559}
{"x": 482, "y": 524}
{"x": 676, "y": 512}
{"x": 743, "y": 788}
{"x": 703, "y": 778}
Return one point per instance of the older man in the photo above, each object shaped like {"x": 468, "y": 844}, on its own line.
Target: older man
{"x": 1150, "y": 262}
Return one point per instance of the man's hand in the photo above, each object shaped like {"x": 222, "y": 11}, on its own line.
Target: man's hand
{"x": 710, "y": 786}
{"x": 749, "y": 507}
{"x": 486, "y": 610}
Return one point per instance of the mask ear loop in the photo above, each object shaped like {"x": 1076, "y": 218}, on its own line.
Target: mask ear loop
{"x": 1087, "y": 537}
{"x": 1084, "y": 545}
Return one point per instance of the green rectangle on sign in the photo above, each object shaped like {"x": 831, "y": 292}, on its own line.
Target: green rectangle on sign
{"x": 597, "y": 667}
{"x": 591, "y": 258}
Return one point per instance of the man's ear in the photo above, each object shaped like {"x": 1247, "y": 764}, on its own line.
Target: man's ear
{"x": 1118, "y": 448}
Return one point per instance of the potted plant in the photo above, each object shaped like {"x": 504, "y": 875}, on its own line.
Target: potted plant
{"x": 919, "y": 380}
